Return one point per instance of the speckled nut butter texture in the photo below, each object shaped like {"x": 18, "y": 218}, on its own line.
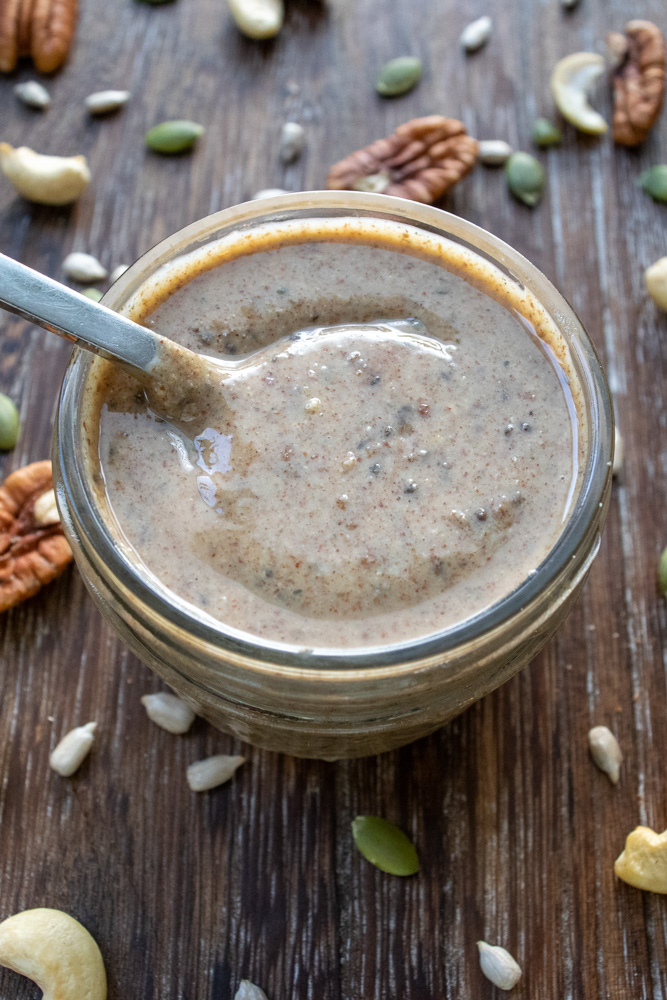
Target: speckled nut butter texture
{"x": 360, "y": 486}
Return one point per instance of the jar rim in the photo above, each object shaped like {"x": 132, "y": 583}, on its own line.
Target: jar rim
{"x": 82, "y": 516}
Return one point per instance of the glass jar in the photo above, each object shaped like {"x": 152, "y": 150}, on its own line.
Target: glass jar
{"x": 325, "y": 702}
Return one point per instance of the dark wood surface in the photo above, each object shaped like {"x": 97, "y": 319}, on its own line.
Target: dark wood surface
{"x": 516, "y": 829}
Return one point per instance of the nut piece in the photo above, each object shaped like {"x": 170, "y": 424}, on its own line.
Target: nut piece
{"x": 56, "y": 952}
{"x": 168, "y": 712}
{"x": 52, "y": 27}
{"x": 213, "y": 771}
{"x": 248, "y": 991}
{"x": 258, "y": 18}
{"x": 422, "y": 160}
{"x": 643, "y": 863}
{"x": 103, "y": 102}
{"x": 655, "y": 278}
{"x": 84, "y": 267}
{"x": 494, "y": 152}
{"x": 292, "y": 141}
{"x": 30, "y": 555}
{"x": 10, "y": 12}
{"x": 571, "y": 81}
{"x": 46, "y": 509}
{"x": 605, "y": 751}
{"x": 498, "y": 965}
{"x": 33, "y": 94}
{"x": 476, "y": 34}
{"x": 48, "y": 180}
{"x": 72, "y": 750}
{"x": 639, "y": 80}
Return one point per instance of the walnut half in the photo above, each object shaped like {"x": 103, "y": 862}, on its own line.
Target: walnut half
{"x": 33, "y": 548}
{"x": 421, "y": 160}
{"x": 639, "y": 80}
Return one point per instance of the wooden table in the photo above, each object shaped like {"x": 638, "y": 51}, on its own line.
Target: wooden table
{"x": 516, "y": 829}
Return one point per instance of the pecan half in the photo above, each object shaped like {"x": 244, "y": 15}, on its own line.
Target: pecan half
{"x": 639, "y": 80}
{"x": 422, "y": 160}
{"x": 25, "y": 28}
{"x": 33, "y": 548}
{"x": 52, "y": 31}
{"x": 10, "y": 11}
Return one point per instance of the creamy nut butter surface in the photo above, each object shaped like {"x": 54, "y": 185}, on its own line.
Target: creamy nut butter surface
{"x": 402, "y": 452}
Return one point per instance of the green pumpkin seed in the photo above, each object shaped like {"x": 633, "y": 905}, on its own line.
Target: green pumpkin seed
{"x": 546, "y": 134}
{"x": 399, "y": 76}
{"x": 654, "y": 182}
{"x": 9, "y": 423}
{"x": 92, "y": 293}
{"x": 174, "y": 136}
{"x": 384, "y": 845}
{"x": 662, "y": 572}
{"x": 525, "y": 178}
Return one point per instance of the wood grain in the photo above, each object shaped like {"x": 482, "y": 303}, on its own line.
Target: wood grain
{"x": 517, "y": 831}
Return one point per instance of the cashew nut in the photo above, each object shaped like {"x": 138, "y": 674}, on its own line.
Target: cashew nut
{"x": 655, "y": 277}
{"x": 48, "y": 180}
{"x": 258, "y": 18}
{"x": 571, "y": 82}
{"x": 56, "y": 952}
{"x": 643, "y": 863}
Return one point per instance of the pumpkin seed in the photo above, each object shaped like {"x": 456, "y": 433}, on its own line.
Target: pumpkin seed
{"x": 494, "y": 152}
{"x": 398, "y": 76}
{"x": 476, "y": 34}
{"x": 173, "y": 136}
{"x": 9, "y": 423}
{"x": 33, "y": 94}
{"x": 654, "y": 182}
{"x": 662, "y": 570}
{"x": 83, "y": 267}
{"x": 546, "y": 134}
{"x": 92, "y": 293}
{"x": 103, "y": 102}
{"x": 525, "y": 178}
{"x": 384, "y": 845}
{"x": 292, "y": 141}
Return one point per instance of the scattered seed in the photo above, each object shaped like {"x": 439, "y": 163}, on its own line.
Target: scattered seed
{"x": 84, "y": 267}
{"x": 258, "y": 18}
{"x": 498, "y": 965}
{"x": 248, "y": 991}
{"x": 605, "y": 751}
{"x": 34, "y": 94}
{"x": 655, "y": 278}
{"x": 494, "y": 152}
{"x": 619, "y": 453}
{"x": 375, "y": 183}
{"x": 168, "y": 712}
{"x": 45, "y": 510}
{"x": 117, "y": 271}
{"x": 72, "y": 750}
{"x": 103, "y": 102}
{"x": 525, "y": 178}
{"x": 662, "y": 572}
{"x": 175, "y": 136}
{"x": 476, "y": 34}
{"x": 546, "y": 134}
{"x": 313, "y": 405}
{"x": 9, "y": 423}
{"x": 654, "y": 182}
{"x": 268, "y": 193}
{"x": 213, "y": 771}
{"x": 292, "y": 141}
{"x": 398, "y": 76}
{"x": 384, "y": 845}
{"x": 92, "y": 293}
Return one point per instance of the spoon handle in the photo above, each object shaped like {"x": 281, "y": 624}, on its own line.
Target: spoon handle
{"x": 63, "y": 311}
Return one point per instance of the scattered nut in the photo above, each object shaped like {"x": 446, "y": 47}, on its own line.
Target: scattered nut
{"x": 93, "y": 293}
{"x": 268, "y": 193}
{"x": 213, "y": 771}
{"x": 643, "y": 862}
{"x": 498, "y": 965}
{"x": 9, "y": 424}
{"x": 494, "y": 152}
{"x": 248, "y": 991}
{"x": 292, "y": 141}
{"x": 525, "y": 178}
{"x": 33, "y": 94}
{"x": 619, "y": 453}
{"x": 117, "y": 271}
{"x": 10, "y": 11}
{"x": 168, "y": 712}
{"x": 638, "y": 79}
{"x": 52, "y": 24}
{"x": 47, "y": 180}
{"x": 399, "y": 76}
{"x": 72, "y": 750}
{"x": 423, "y": 159}
{"x": 84, "y": 267}
{"x": 655, "y": 278}
{"x": 605, "y": 751}
{"x": 56, "y": 952}
{"x": 571, "y": 81}
{"x": 46, "y": 510}
{"x": 103, "y": 102}
{"x": 30, "y": 555}
{"x": 476, "y": 34}
{"x": 546, "y": 134}
{"x": 258, "y": 18}
{"x": 654, "y": 182}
